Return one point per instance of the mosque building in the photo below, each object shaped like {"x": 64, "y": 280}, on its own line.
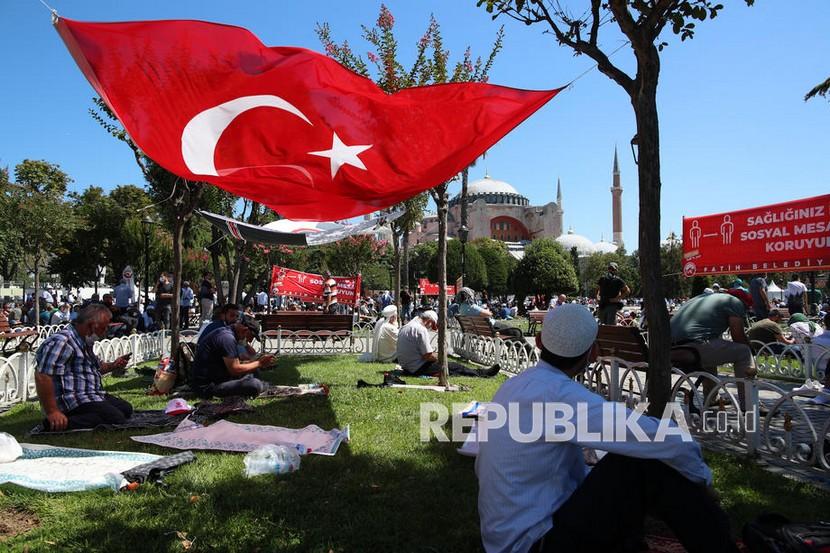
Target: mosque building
{"x": 496, "y": 209}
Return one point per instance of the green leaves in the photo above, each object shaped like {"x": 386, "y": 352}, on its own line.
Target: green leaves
{"x": 544, "y": 269}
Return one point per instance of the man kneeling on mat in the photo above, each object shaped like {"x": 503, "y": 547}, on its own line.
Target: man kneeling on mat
{"x": 218, "y": 369}
{"x": 68, "y": 377}
{"x": 415, "y": 353}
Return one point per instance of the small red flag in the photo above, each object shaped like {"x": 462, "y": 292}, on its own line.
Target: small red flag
{"x": 287, "y": 127}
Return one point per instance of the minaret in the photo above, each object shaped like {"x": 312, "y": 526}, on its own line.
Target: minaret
{"x": 560, "y": 212}
{"x": 616, "y": 203}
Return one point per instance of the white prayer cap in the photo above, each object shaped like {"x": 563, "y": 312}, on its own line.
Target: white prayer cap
{"x": 431, "y": 315}
{"x": 569, "y": 330}
{"x": 389, "y": 311}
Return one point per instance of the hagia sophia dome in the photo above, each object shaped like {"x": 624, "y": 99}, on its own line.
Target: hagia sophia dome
{"x": 497, "y": 210}
{"x": 571, "y": 240}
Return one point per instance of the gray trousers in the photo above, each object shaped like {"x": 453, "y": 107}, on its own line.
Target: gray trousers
{"x": 247, "y": 386}
{"x": 608, "y": 314}
{"x": 207, "y": 309}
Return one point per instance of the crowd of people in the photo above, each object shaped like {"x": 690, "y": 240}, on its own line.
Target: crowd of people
{"x": 535, "y": 494}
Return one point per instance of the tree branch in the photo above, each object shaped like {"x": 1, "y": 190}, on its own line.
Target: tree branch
{"x": 627, "y": 24}
{"x": 657, "y": 19}
{"x": 591, "y": 50}
{"x": 595, "y": 5}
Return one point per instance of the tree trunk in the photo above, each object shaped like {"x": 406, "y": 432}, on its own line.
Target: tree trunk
{"x": 441, "y": 203}
{"x": 396, "y": 260}
{"x": 644, "y": 102}
{"x": 36, "y": 292}
{"x": 178, "y": 239}
{"x": 235, "y": 291}
{"x": 464, "y": 178}
{"x": 217, "y": 265}
{"x": 405, "y": 260}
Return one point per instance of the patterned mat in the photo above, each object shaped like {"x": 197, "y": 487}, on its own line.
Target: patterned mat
{"x": 229, "y": 436}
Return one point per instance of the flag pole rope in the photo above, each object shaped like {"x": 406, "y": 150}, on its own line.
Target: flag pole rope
{"x": 52, "y": 10}
{"x": 570, "y": 84}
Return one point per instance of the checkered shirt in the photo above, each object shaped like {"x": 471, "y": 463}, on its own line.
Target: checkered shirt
{"x": 74, "y": 368}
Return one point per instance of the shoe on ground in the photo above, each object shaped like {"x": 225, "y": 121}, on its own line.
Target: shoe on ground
{"x": 492, "y": 371}
{"x": 808, "y": 386}
{"x": 821, "y": 399}
{"x": 389, "y": 379}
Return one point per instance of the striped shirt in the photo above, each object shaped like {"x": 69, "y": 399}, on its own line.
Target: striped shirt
{"x": 74, "y": 368}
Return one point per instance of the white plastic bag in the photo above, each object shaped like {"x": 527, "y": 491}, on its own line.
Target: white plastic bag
{"x": 273, "y": 459}
{"x": 9, "y": 448}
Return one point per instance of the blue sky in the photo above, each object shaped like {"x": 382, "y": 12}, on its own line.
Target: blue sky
{"x": 735, "y": 130}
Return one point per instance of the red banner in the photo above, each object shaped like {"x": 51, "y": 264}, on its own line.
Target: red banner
{"x": 793, "y": 236}
{"x": 431, "y": 289}
{"x": 309, "y": 287}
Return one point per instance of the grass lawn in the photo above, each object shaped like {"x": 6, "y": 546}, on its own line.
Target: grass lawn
{"x": 385, "y": 491}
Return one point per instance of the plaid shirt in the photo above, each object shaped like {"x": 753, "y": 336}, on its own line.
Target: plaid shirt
{"x": 74, "y": 368}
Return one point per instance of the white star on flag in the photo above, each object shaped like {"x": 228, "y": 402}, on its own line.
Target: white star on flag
{"x": 341, "y": 155}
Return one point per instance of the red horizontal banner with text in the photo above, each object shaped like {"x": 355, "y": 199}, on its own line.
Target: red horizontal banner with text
{"x": 309, "y": 287}
{"x": 431, "y": 289}
{"x": 792, "y": 236}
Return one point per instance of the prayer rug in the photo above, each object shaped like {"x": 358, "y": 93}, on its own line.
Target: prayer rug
{"x": 229, "y": 436}
{"x": 662, "y": 544}
{"x": 64, "y": 469}
{"x": 139, "y": 419}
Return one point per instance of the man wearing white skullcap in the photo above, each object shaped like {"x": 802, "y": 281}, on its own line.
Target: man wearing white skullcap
{"x": 385, "y": 336}
{"x": 535, "y": 491}
{"x": 416, "y": 355}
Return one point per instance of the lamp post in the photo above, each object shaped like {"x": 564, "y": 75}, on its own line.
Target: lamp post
{"x": 672, "y": 242}
{"x": 463, "y": 233}
{"x": 635, "y": 148}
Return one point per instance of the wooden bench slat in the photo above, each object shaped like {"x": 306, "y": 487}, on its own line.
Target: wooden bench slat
{"x": 299, "y": 320}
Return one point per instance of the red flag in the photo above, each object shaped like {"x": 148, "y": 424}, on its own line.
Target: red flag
{"x": 284, "y": 126}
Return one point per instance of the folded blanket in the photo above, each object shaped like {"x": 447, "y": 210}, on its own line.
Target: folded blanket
{"x": 156, "y": 470}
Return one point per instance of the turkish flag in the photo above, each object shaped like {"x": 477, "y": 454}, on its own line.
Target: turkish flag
{"x": 287, "y": 127}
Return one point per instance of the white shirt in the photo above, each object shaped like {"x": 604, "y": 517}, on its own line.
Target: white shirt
{"x": 521, "y": 485}
{"x": 413, "y": 343}
{"x": 386, "y": 344}
{"x": 262, "y": 298}
{"x": 796, "y": 288}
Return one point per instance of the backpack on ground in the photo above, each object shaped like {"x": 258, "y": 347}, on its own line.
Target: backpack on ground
{"x": 773, "y": 533}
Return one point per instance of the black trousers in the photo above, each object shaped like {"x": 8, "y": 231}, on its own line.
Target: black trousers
{"x": 506, "y": 331}
{"x": 184, "y": 312}
{"x": 432, "y": 369}
{"x": 606, "y": 513}
{"x": 112, "y": 410}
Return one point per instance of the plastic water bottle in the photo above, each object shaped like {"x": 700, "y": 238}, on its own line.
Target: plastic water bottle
{"x": 273, "y": 459}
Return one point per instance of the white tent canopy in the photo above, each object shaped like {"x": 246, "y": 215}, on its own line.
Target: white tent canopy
{"x": 774, "y": 292}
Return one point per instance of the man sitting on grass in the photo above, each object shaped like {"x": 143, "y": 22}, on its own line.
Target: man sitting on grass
{"x": 535, "y": 492}
{"x": 68, "y": 377}
{"x": 219, "y": 371}
{"x": 767, "y": 331}
{"x": 416, "y": 356}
